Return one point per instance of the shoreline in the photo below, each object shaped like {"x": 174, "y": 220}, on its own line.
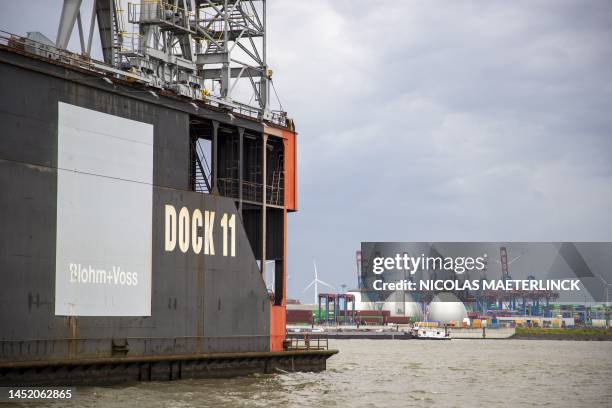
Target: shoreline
{"x": 519, "y": 333}
{"x": 563, "y": 334}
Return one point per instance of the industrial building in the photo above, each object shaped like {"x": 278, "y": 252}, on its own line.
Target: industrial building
{"x": 539, "y": 307}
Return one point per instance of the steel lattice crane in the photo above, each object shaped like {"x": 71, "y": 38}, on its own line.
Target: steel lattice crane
{"x": 212, "y": 50}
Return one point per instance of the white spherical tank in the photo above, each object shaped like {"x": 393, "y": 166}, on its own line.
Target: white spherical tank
{"x": 361, "y": 304}
{"x": 400, "y": 304}
{"x": 445, "y": 308}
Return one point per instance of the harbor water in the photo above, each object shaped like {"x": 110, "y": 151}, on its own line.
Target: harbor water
{"x": 395, "y": 373}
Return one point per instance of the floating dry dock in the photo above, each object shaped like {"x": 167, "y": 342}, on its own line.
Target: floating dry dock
{"x": 133, "y": 220}
{"x": 111, "y": 370}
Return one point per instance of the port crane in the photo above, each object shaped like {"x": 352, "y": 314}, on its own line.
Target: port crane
{"x": 206, "y": 50}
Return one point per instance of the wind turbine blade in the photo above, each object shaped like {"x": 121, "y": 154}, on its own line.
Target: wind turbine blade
{"x": 515, "y": 258}
{"x": 325, "y": 284}
{"x": 309, "y": 285}
{"x": 315, "y": 269}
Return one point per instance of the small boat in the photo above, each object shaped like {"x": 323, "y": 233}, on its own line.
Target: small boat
{"x": 430, "y": 333}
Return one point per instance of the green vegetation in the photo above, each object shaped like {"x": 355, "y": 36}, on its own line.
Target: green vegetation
{"x": 563, "y": 334}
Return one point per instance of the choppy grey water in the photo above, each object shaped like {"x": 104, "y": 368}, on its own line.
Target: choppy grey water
{"x": 386, "y": 373}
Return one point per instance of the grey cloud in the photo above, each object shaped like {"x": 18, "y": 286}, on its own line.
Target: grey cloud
{"x": 465, "y": 121}
{"x": 433, "y": 121}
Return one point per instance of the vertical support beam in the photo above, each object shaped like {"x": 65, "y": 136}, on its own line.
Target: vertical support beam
{"x": 335, "y": 305}
{"x": 240, "y": 167}
{"x": 70, "y": 11}
{"x": 92, "y": 23}
{"x": 336, "y": 309}
{"x": 225, "y": 66}
{"x": 264, "y": 209}
{"x": 279, "y": 282}
{"x": 106, "y": 28}
{"x": 215, "y": 156}
{"x": 198, "y": 44}
{"x": 264, "y": 90}
{"x": 284, "y": 256}
{"x": 81, "y": 37}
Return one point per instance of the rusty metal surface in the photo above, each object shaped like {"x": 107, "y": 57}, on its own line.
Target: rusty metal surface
{"x": 175, "y": 357}
{"x": 158, "y": 368}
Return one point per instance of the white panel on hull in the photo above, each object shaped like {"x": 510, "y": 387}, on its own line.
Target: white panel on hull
{"x": 104, "y": 214}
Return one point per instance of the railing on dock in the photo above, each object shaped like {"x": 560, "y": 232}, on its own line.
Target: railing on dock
{"x": 54, "y": 55}
{"x": 306, "y": 341}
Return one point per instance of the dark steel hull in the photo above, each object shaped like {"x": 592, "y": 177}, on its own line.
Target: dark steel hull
{"x": 199, "y": 304}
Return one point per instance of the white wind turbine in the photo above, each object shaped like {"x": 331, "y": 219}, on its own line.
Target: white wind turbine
{"x": 316, "y": 282}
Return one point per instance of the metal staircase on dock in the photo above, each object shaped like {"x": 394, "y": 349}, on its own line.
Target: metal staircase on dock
{"x": 202, "y": 172}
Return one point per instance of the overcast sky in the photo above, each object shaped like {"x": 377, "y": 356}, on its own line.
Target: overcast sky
{"x": 434, "y": 121}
